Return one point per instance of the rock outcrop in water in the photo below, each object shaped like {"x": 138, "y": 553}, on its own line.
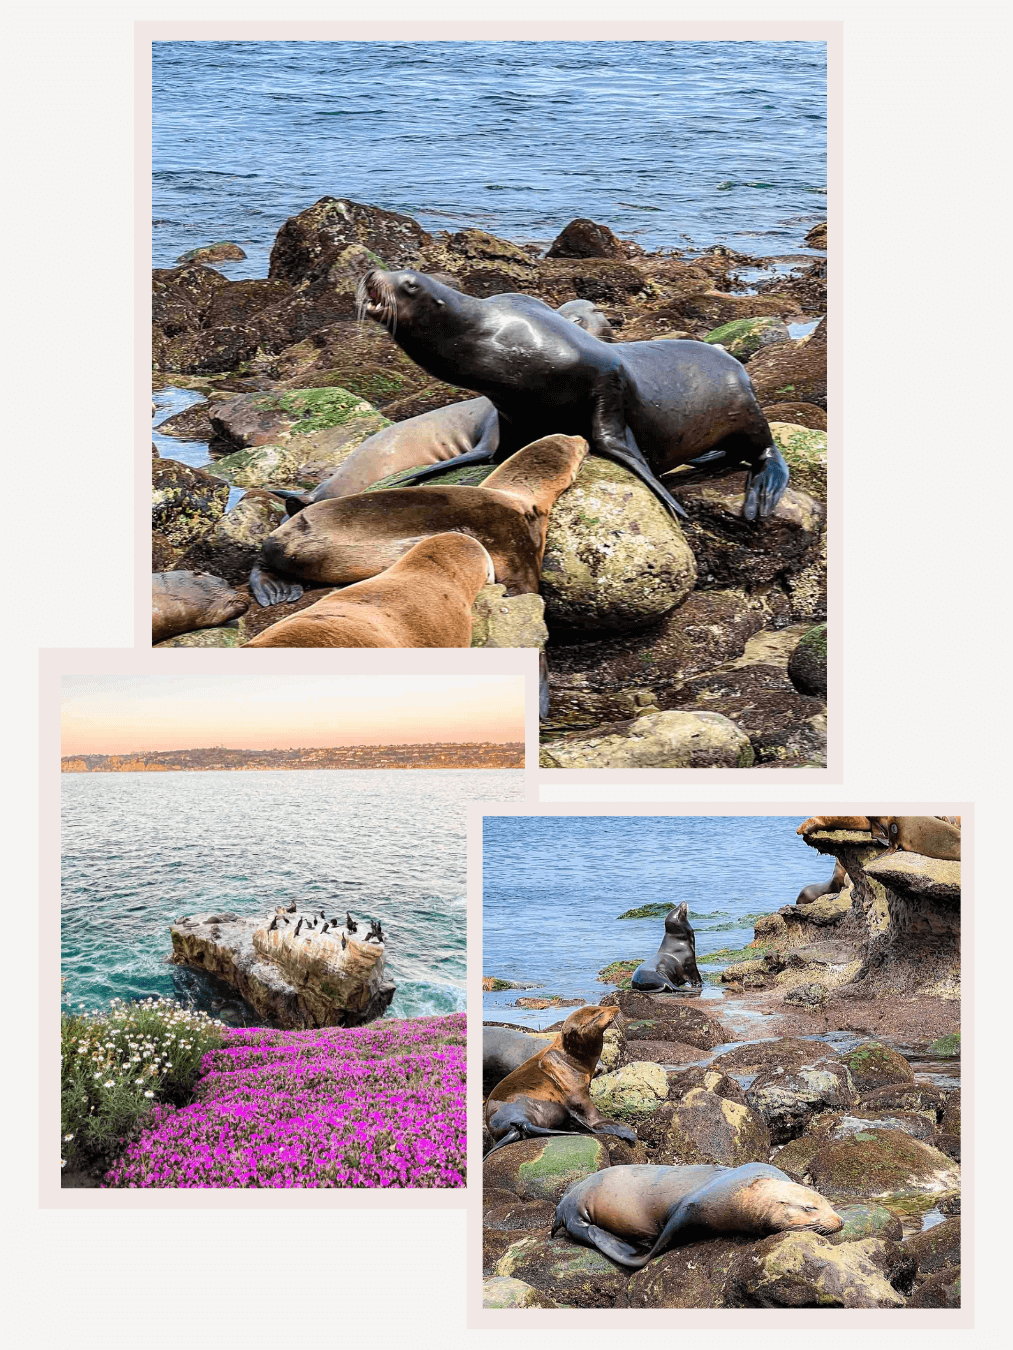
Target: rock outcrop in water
{"x": 299, "y": 982}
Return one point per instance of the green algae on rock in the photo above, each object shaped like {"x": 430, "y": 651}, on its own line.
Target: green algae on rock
{"x": 632, "y": 1092}
{"x": 499, "y": 1291}
{"x": 705, "y": 1128}
{"x": 805, "y": 451}
{"x": 874, "y": 1065}
{"x": 542, "y": 1169}
{"x": 742, "y": 337}
{"x": 807, "y": 666}
{"x": 804, "y": 1270}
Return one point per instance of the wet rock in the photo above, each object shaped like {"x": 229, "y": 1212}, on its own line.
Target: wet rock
{"x": 542, "y": 1169}
{"x": 785, "y": 1051}
{"x": 787, "y": 1099}
{"x": 231, "y": 547}
{"x": 936, "y": 1249}
{"x": 742, "y": 337}
{"x": 856, "y": 1121}
{"x": 730, "y": 551}
{"x": 949, "y": 1206}
{"x": 192, "y": 424}
{"x": 817, "y": 236}
{"x": 881, "y": 1163}
{"x": 519, "y": 1215}
{"x": 210, "y": 253}
{"x": 683, "y": 1080}
{"x": 805, "y": 452}
{"x": 614, "y": 558}
{"x": 185, "y": 502}
{"x": 947, "y": 1046}
{"x": 499, "y": 620}
{"x": 797, "y": 415}
{"x": 874, "y": 1065}
{"x": 693, "y": 1275}
{"x": 938, "y": 1291}
{"x": 630, "y": 1093}
{"x": 812, "y": 995}
{"x": 500, "y": 1292}
{"x": 793, "y": 372}
{"x": 308, "y": 244}
{"x": 784, "y": 727}
{"x": 807, "y": 666}
{"x": 862, "y": 1221}
{"x": 252, "y": 303}
{"x": 305, "y": 458}
{"x": 665, "y": 1017}
{"x": 902, "y": 1096}
{"x": 180, "y": 297}
{"x": 804, "y": 1270}
{"x": 584, "y": 239}
{"x": 570, "y": 1274}
{"x": 274, "y": 418}
{"x": 204, "y": 637}
{"x": 662, "y": 740}
{"x": 949, "y": 1128}
{"x": 891, "y": 1260}
{"x": 705, "y": 1128}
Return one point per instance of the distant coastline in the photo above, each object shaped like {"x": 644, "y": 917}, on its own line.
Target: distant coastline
{"x": 435, "y": 755}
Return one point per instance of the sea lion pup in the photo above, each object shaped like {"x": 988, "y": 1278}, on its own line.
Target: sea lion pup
{"x": 650, "y": 406}
{"x": 182, "y": 602}
{"x": 423, "y": 600}
{"x": 928, "y": 835}
{"x": 837, "y": 882}
{"x": 548, "y": 1094}
{"x": 621, "y": 1209}
{"x": 348, "y": 539}
{"x": 674, "y": 963}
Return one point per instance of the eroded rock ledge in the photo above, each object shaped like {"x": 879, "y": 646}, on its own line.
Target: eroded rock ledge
{"x": 296, "y": 982}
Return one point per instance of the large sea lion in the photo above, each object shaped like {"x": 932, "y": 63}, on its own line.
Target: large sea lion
{"x": 504, "y": 1049}
{"x": 182, "y": 602}
{"x": 431, "y": 438}
{"x": 351, "y": 538}
{"x": 837, "y": 882}
{"x": 548, "y": 1094}
{"x": 932, "y": 836}
{"x": 423, "y": 600}
{"x": 651, "y": 406}
{"x": 674, "y": 963}
{"x": 622, "y": 1210}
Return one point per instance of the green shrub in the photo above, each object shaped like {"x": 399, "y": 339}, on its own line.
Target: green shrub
{"x": 116, "y": 1065}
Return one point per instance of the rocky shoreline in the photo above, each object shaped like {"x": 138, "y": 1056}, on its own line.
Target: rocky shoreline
{"x": 861, "y": 992}
{"x": 666, "y": 644}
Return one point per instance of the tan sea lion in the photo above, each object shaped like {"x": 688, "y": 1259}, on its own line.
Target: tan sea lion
{"x": 351, "y": 538}
{"x": 423, "y": 600}
{"x": 622, "y": 1210}
{"x": 932, "y": 836}
{"x": 837, "y": 882}
{"x": 548, "y": 1094}
{"x": 182, "y": 602}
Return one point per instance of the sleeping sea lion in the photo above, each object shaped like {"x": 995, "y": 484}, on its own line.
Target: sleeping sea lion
{"x": 650, "y": 406}
{"x": 423, "y": 600}
{"x": 548, "y": 1094}
{"x": 932, "y": 836}
{"x": 622, "y": 1210}
{"x": 837, "y": 882}
{"x": 182, "y": 602}
{"x": 504, "y": 1049}
{"x": 351, "y": 538}
{"x": 674, "y": 963}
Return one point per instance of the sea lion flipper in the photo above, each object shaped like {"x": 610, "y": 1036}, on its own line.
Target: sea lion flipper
{"x": 621, "y": 1131}
{"x": 681, "y": 1217}
{"x": 481, "y": 454}
{"x": 765, "y": 484}
{"x": 613, "y": 438}
{"x": 608, "y": 1244}
{"x": 269, "y": 589}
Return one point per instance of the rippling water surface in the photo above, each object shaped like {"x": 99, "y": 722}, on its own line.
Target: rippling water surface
{"x": 666, "y": 142}
{"x": 553, "y": 889}
{"x": 141, "y": 849}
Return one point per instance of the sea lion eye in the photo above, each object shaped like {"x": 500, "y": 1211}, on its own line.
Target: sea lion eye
{"x": 811, "y": 1209}
{"x": 893, "y": 828}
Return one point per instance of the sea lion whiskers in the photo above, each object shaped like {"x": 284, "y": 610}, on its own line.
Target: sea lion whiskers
{"x": 375, "y": 299}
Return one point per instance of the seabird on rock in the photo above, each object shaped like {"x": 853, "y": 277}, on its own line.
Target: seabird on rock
{"x": 274, "y": 924}
{"x": 350, "y": 923}
{"x": 344, "y": 944}
{"x": 298, "y": 926}
{"x": 284, "y": 921}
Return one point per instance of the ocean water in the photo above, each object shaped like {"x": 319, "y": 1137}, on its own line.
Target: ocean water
{"x": 553, "y": 889}
{"x": 673, "y": 144}
{"x": 142, "y": 849}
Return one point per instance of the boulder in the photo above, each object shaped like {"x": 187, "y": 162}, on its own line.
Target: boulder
{"x": 665, "y": 1017}
{"x": 304, "y": 459}
{"x": 936, "y": 1249}
{"x": 805, "y": 452}
{"x": 542, "y": 1169}
{"x": 681, "y": 1081}
{"x": 164, "y": 556}
{"x": 658, "y": 740}
{"x": 297, "y": 983}
{"x": 192, "y": 424}
{"x": 792, "y": 371}
{"x": 784, "y": 1052}
{"x": 274, "y": 418}
{"x": 568, "y": 1273}
{"x": 804, "y": 1270}
{"x": 501, "y": 620}
{"x": 584, "y": 239}
{"x": 615, "y": 560}
{"x": 222, "y": 252}
{"x": 834, "y": 1125}
{"x": 807, "y": 665}
{"x": 938, "y": 1291}
{"x": 787, "y": 1099}
{"x": 883, "y": 1163}
{"x": 817, "y": 236}
{"x": 874, "y": 1065}
{"x": 232, "y": 546}
{"x": 630, "y": 1093}
{"x": 692, "y": 1275}
{"x": 515, "y": 1215}
{"x": 500, "y": 1292}
{"x": 185, "y": 502}
{"x": 742, "y": 337}
{"x": 705, "y": 1128}
{"x": 204, "y": 637}
{"x": 797, "y": 415}
{"x": 308, "y": 244}
{"x": 862, "y": 1221}
{"x": 905, "y": 1096}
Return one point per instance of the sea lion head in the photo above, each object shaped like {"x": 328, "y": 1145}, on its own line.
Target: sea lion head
{"x": 586, "y": 314}
{"x": 677, "y": 923}
{"x": 584, "y": 1030}
{"x": 403, "y": 299}
{"x": 782, "y": 1205}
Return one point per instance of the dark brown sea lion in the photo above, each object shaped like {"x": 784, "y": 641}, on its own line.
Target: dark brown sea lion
{"x": 932, "y": 836}
{"x": 674, "y": 963}
{"x": 548, "y": 1094}
{"x": 622, "y": 1210}
{"x": 651, "y": 406}
{"x": 182, "y": 602}
{"x": 351, "y": 538}
{"x": 432, "y": 437}
{"x": 837, "y": 882}
{"x": 423, "y": 600}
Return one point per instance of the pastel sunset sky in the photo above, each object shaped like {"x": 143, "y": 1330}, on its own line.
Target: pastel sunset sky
{"x": 116, "y": 715}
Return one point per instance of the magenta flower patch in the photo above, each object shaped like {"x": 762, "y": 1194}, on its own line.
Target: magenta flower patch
{"x": 375, "y": 1106}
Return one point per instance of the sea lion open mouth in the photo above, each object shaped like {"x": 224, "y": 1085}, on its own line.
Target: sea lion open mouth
{"x": 375, "y": 299}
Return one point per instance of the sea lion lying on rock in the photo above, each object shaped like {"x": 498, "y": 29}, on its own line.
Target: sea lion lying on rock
{"x": 548, "y": 1094}
{"x": 182, "y": 602}
{"x": 932, "y": 836}
{"x": 351, "y": 538}
{"x": 650, "y": 406}
{"x": 622, "y": 1209}
{"x": 504, "y": 1049}
{"x": 423, "y": 600}
{"x": 674, "y": 963}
